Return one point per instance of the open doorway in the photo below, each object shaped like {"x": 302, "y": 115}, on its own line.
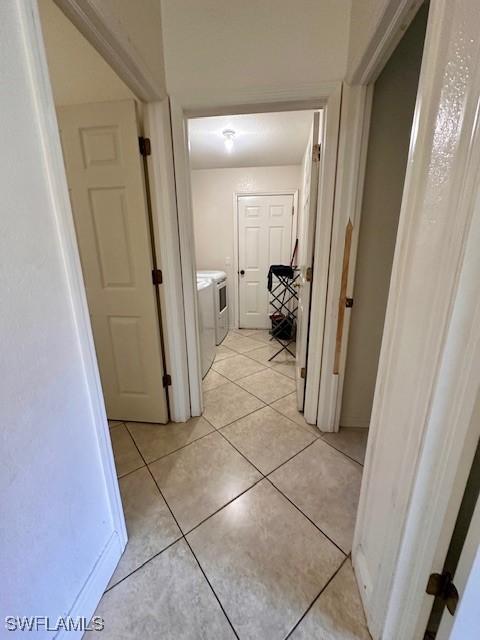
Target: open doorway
{"x": 254, "y": 181}
{"x": 100, "y": 122}
{"x": 394, "y": 99}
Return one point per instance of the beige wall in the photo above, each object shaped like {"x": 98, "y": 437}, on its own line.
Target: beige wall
{"x": 78, "y": 73}
{"x": 393, "y": 105}
{"x": 212, "y": 195}
{"x": 213, "y": 44}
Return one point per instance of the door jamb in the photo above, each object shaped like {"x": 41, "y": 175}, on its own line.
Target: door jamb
{"x": 236, "y": 266}
{"x": 184, "y": 106}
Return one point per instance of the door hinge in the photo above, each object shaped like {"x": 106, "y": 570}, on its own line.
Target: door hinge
{"x": 167, "y": 380}
{"x": 316, "y": 152}
{"x": 303, "y": 373}
{"x": 157, "y": 277}
{"x": 144, "y": 146}
{"x": 349, "y": 303}
{"x": 309, "y": 274}
{"x": 441, "y": 586}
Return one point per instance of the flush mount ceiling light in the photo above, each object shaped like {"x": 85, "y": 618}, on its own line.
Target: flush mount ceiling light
{"x": 228, "y": 136}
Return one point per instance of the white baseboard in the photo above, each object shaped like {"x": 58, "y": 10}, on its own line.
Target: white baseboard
{"x": 93, "y": 589}
{"x": 364, "y": 582}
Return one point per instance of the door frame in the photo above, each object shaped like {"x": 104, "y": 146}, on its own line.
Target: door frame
{"x": 105, "y": 34}
{"x": 190, "y": 105}
{"x": 236, "y": 252}
{"x": 437, "y": 452}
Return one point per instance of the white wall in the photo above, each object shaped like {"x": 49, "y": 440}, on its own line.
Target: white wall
{"x": 233, "y": 45}
{"x": 213, "y": 216}
{"x": 392, "y": 114}
{"x": 55, "y": 512}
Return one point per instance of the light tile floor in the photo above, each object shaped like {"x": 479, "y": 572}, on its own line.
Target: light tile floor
{"x": 240, "y": 522}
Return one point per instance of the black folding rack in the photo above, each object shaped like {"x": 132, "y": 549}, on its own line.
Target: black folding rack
{"x": 284, "y": 300}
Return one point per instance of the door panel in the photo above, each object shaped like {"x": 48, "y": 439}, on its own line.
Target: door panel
{"x": 106, "y": 183}
{"x": 306, "y": 235}
{"x": 264, "y": 238}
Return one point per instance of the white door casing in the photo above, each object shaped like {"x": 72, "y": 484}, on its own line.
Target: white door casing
{"x": 466, "y": 622}
{"x": 306, "y": 236}
{"x": 106, "y": 183}
{"x": 264, "y": 238}
{"x": 353, "y": 144}
{"x": 429, "y": 372}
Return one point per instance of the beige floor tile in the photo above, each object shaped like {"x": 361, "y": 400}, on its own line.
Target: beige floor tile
{"x": 268, "y": 385}
{"x": 157, "y": 440}
{"x": 212, "y": 380}
{"x": 240, "y": 344}
{"x": 325, "y": 485}
{"x": 262, "y": 335}
{"x": 237, "y": 367}
{"x": 263, "y": 355}
{"x": 125, "y": 452}
{"x": 227, "y": 404}
{"x": 265, "y": 561}
{"x": 338, "y": 612}
{"x": 150, "y": 524}
{"x": 353, "y": 442}
{"x": 243, "y": 332}
{"x": 223, "y": 352}
{"x": 267, "y": 438}
{"x": 168, "y": 598}
{"x": 288, "y": 407}
{"x": 201, "y": 478}
{"x": 286, "y": 368}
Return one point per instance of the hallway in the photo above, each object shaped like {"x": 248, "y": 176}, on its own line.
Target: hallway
{"x": 240, "y": 522}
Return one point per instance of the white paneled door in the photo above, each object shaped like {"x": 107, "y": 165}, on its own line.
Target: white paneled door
{"x": 264, "y": 238}
{"x": 106, "y": 182}
{"x": 306, "y": 235}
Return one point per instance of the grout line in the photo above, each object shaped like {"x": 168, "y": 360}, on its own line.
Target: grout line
{"x": 183, "y": 537}
{"x": 187, "y": 444}
{"x": 307, "y": 517}
{"x": 187, "y": 533}
{"x": 129, "y": 473}
{"x": 145, "y": 563}
{"x": 316, "y": 598}
{"x": 339, "y": 450}
{"x": 307, "y": 429}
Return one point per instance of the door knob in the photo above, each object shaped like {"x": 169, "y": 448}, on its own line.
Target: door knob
{"x": 242, "y": 272}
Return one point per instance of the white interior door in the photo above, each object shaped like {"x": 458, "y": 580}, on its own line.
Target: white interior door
{"x": 106, "y": 182}
{"x": 264, "y": 238}
{"x": 306, "y": 235}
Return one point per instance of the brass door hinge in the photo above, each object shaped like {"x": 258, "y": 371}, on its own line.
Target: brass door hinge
{"x": 309, "y": 274}
{"x": 316, "y": 152}
{"x": 144, "y": 146}
{"x": 303, "y": 373}
{"x": 167, "y": 380}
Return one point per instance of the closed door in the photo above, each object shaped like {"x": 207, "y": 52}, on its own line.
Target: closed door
{"x": 306, "y": 235}
{"x": 264, "y": 238}
{"x": 106, "y": 182}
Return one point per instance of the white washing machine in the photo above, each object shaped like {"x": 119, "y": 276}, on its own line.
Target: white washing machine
{"x": 220, "y": 302}
{"x": 206, "y": 319}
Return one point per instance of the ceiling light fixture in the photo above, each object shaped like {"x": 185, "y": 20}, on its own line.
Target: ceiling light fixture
{"x": 228, "y": 136}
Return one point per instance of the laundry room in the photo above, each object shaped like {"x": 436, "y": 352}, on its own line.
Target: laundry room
{"x": 248, "y": 196}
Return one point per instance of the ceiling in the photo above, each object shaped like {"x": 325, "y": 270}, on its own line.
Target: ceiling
{"x": 260, "y": 140}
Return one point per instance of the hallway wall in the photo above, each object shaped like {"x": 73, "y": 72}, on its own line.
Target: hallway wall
{"x": 392, "y": 114}
{"x": 212, "y": 195}
{"x": 57, "y": 524}
{"x": 213, "y": 44}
